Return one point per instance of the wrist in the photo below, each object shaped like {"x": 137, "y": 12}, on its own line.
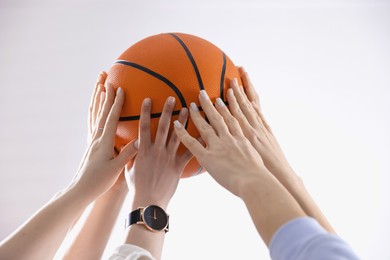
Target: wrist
{"x": 286, "y": 175}
{"x": 78, "y": 196}
{"x": 255, "y": 184}
{"x": 143, "y": 201}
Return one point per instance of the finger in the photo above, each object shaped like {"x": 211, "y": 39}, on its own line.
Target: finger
{"x": 96, "y": 127}
{"x": 165, "y": 122}
{"x": 185, "y": 157}
{"x": 144, "y": 123}
{"x": 245, "y": 105}
{"x": 191, "y": 143}
{"x": 262, "y": 118}
{"x": 95, "y": 100}
{"x": 94, "y": 115}
{"x": 111, "y": 125}
{"x": 126, "y": 155}
{"x": 215, "y": 119}
{"x": 231, "y": 122}
{"x": 206, "y": 131}
{"x": 236, "y": 111}
{"x": 248, "y": 86}
{"x": 107, "y": 105}
{"x": 93, "y": 97}
{"x": 174, "y": 142}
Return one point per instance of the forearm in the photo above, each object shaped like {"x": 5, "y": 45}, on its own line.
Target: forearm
{"x": 139, "y": 235}
{"x": 92, "y": 239}
{"x": 43, "y": 233}
{"x": 297, "y": 189}
{"x": 269, "y": 204}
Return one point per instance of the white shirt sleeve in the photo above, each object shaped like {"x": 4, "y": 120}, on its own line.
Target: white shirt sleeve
{"x": 304, "y": 238}
{"x": 131, "y": 252}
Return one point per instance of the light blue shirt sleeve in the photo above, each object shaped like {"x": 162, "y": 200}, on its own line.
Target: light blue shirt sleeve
{"x": 304, "y": 238}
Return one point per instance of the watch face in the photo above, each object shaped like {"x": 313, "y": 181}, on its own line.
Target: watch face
{"x": 155, "y": 218}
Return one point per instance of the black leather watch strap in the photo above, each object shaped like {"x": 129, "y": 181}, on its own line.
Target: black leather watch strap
{"x": 134, "y": 217}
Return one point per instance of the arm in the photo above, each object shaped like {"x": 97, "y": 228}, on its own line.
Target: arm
{"x": 245, "y": 106}
{"x": 41, "y": 235}
{"x": 156, "y": 173}
{"x": 233, "y": 162}
{"x": 92, "y": 239}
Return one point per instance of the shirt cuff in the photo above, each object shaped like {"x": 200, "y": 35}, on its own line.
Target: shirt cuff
{"x": 130, "y": 252}
{"x": 285, "y": 244}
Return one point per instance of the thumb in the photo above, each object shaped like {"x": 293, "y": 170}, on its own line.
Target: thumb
{"x": 126, "y": 154}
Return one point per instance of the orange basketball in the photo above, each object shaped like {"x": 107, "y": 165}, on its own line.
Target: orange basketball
{"x": 163, "y": 65}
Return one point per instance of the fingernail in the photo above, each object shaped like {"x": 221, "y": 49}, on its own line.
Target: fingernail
{"x": 171, "y": 100}
{"x": 147, "y": 101}
{"x": 230, "y": 92}
{"x": 235, "y": 81}
{"x": 220, "y": 102}
{"x": 183, "y": 111}
{"x": 119, "y": 90}
{"x": 194, "y": 107}
{"x": 177, "y": 124}
{"x": 136, "y": 144}
{"x": 99, "y": 78}
{"x": 203, "y": 94}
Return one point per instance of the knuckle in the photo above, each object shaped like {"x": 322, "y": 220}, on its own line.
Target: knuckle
{"x": 205, "y": 128}
{"x": 230, "y": 120}
{"x": 217, "y": 117}
{"x": 144, "y": 127}
{"x": 238, "y": 111}
{"x": 191, "y": 142}
{"x": 247, "y": 105}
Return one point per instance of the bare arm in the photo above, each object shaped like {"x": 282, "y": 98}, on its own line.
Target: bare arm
{"x": 92, "y": 239}
{"x": 156, "y": 173}
{"x": 233, "y": 162}
{"x": 41, "y": 235}
{"x": 245, "y": 106}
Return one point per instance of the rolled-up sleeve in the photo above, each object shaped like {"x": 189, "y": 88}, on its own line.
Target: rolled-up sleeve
{"x": 304, "y": 238}
{"x": 131, "y": 252}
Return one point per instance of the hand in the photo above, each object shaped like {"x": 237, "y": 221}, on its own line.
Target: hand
{"x": 120, "y": 184}
{"x": 157, "y": 167}
{"x": 245, "y": 107}
{"x": 228, "y": 156}
{"x": 99, "y": 169}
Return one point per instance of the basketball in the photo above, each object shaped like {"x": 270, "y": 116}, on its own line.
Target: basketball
{"x": 163, "y": 65}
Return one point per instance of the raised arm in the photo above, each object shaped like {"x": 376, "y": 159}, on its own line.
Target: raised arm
{"x": 233, "y": 162}
{"x": 40, "y": 236}
{"x": 155, "y": 175}
{"x": 96, "y": 229}
{"x": 245, "y": 106}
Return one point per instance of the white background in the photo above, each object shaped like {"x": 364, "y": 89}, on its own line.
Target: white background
{"x": 322, "y": 69}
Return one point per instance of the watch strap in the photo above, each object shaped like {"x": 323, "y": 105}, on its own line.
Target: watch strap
{"x": 134, "y": 217}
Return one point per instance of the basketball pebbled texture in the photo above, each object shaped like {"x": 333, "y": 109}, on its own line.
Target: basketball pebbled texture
{"x": 163, "y": 65}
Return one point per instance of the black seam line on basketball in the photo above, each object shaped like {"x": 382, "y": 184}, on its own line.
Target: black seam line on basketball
{"x": 158, "y": 76}
{"x": 222, "y": 83}
{"x": 189, "y": 55}
{"x": 154, "y": 115}
{"x": 157, "y": 115}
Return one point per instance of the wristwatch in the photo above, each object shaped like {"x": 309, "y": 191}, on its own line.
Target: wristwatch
{"x": 153, "y": 217}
